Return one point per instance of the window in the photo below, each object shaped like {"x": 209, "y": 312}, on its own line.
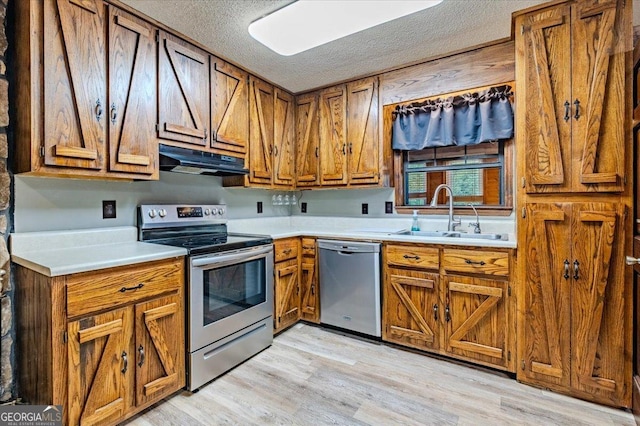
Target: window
{"x": 475, "y": 173}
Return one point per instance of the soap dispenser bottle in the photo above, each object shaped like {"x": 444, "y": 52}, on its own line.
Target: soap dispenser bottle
{"x": 414, "y": 224}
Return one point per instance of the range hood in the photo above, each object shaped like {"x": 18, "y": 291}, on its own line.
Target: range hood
{"x": 194, "y": 162}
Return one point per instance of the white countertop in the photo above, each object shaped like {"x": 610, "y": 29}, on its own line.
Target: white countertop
{"x": 56, "y": 253}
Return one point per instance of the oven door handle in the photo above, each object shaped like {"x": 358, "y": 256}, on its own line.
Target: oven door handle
{"x": 228, "y": 258}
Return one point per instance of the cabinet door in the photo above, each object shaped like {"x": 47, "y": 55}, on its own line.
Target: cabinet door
{"x": 477, "y": 320}
{"x": 229, "y": 108}
{"x": 261, "y": 103}
{"x": 333, "y": 134}
{"x": 362, "y": 131}
{"x": 599, "y": 134}
{"x": 183, "y": 88}
{"x": 159, "y": 348}
{"x": 307, "y": 137}
{"x": 133, "y": 95}
{"x": 544, "y": 83}
{"x": 101, "y": 365}
{"x": 544, "y": 296}
{"x": 74, "y": 84}
{"x": 284, "y": 139}
{"x": 412, "y": 308}
{"x": 287, "y": 294}
{"x": 310, "y": 300}
{"x": 600, "y": 316}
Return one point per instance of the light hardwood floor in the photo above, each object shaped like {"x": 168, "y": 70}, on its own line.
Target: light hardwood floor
{"x": 313, "y": 376}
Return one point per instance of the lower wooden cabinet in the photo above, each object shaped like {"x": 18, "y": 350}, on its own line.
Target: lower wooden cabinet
{"x": 455, "y": 302}
{"x": 310, "y": 300}
{"x": 287, "y": 283}
{"x": 113, "y": 355}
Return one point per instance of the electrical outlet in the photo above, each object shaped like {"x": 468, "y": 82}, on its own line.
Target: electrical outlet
{"x": 109, "y": 209}
{"x": 303, "y": 207}
{"x": 259, "y": 207}
{"x": 388, "y": 207}
{"x": 365, "y": 208}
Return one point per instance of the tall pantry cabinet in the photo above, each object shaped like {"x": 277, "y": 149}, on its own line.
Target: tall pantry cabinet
{"x": 574, "y": 198}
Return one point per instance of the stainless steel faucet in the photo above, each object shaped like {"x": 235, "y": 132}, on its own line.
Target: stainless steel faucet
{"x": 434, "y": 202}
{"x": 476, "y": 225}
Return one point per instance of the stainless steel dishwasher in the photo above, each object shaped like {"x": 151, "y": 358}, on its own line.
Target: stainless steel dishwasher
{"x": 350, "y": 285}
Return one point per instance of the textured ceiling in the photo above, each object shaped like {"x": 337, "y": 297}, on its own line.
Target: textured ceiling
{"x": 222, "y": 26}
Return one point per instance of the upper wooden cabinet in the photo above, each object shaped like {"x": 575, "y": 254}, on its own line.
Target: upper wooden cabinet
{"x": 183, "y": 105}
{"x": 574, "y": 330}
{"x": 229, "y": 108}
{"x": 362, "y": 132}
{"x": 87, "y": 103}
{"x": 284, "y": 139}
{"x": 307, "y": 140}
{"x": 570, "y": 64}
{"x": 261, "y": 114}
{"x": 333, "y": 136}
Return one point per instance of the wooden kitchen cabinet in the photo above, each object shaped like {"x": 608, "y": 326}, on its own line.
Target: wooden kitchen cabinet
{"x": 286, "y": 283}
{"x": 454, "y": 302}
{"x": 104, "y": 344}
{"x": 229, "y": 109}
{"x": 575, "y": 308}
{"x": 184, "y": 87}
{"x": 87, "y": 103}
{"x": 571, "y": 65}
{"x": 333, "y": 136}
{"x": 363, "y": 147}
{"x": 310, "y": 294}
{"x": 261, "y": 115}
{"x": 283, "y": 140}
{"x": 307, "y": 140}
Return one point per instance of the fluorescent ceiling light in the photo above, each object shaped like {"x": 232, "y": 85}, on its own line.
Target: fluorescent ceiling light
{"x": 305, "y": 24}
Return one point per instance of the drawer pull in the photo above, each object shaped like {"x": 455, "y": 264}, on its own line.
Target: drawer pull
{"x": 308, "y": 247}
{"x": 125, "y": 361}
{"x": 408, "y": 256}
{"x": 141, "y": 352}
{"x": 471, "y": 262}
{"x": 286, "y": 251}
{"x": 123, "y": 289}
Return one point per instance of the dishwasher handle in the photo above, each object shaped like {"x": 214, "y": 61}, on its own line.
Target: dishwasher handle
{"x": 348, "y": 247}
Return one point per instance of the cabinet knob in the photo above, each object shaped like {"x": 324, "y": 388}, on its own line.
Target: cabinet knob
{"x": 629, "y": 260}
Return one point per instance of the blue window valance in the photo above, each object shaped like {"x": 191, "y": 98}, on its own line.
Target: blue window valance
{"x": 468, "y": 119}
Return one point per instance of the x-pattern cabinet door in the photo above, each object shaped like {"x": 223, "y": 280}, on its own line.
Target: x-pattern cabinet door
{"x": 287, "y": 291}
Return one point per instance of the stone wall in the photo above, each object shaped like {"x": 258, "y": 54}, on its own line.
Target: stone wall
{"x": 7, "y": 325}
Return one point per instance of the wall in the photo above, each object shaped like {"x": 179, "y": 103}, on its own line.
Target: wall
{"x": 7, "y": 330}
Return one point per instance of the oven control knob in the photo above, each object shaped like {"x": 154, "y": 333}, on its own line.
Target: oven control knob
{"x": 152, "y": 213}
{"x": 162, "y": 212}
{"x": 207, "y": 212}
{"x": 220, "y": 211}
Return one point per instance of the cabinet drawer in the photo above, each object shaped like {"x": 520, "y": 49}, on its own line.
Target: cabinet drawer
{"x": 98, "y": 290}
{"x": 308, "y": 246}
{"x": 415, "y": 257}
{"x": 492, "y": 263}
{"x": 286, "y": 249}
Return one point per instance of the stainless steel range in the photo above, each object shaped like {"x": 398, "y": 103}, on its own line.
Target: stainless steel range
{"x": 229, "y": 285}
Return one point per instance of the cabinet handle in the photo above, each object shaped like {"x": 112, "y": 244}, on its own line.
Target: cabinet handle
{"x": 99, "y": 110}
{"x": 566, "y": 269}
{"x": 350, "y": 148}
{"x": 435, "y": 311}
{"x": 270, "y": 149}
{"x": 567, "y": 111}
{"x": 415, "y": 257}
{"x": 576, "y": 267}
{"x": 275, "y": 151}
{"x": 114, "y": 114}
{"x": 317, "y": 153}
{"x": 123, "y": 289}
{"x": 344, "y": 149}
{"x": 313, "y": 289}
{"x": 471, "y": 262}
{"x": 308, "y": 247}
{"x": 447, "y": 314}
{"x": 577, "y": 104}
{"x": 206, "y": 135}
{"x": 125, "y": 362}
{"x": 286, "y": 251}
{"x": 141, "y": 352}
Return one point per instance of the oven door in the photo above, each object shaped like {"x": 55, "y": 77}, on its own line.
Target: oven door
{"x": 228, "y": 292}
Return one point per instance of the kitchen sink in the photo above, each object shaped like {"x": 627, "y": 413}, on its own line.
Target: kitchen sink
{"x": 455, "y": 234}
